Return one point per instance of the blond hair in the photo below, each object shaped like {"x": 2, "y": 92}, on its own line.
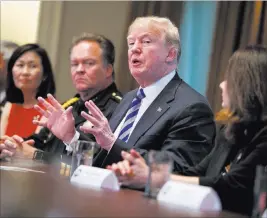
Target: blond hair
{"x": 166, "y": 27}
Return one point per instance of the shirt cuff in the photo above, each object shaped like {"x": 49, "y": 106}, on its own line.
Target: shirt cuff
{"x": 70, "y": 146}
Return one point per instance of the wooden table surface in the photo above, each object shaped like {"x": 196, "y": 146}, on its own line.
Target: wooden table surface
{"x": 31, "y": 194}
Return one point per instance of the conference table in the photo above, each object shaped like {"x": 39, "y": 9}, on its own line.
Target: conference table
{"x": 48, "y": 194}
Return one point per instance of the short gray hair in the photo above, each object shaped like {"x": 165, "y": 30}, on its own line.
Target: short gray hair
{"x": 105, "y": 44}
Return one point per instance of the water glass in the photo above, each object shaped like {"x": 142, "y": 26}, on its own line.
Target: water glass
{"x": 83, "y": 154}
{"x": 160, "y": 168}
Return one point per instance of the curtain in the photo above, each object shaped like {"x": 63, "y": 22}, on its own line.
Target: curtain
{"x": 169, "y": 9}
{"x": 197, "y": 28}
{"x": 237, "y": 24}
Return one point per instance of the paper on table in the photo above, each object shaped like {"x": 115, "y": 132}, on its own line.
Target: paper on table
{"x": 89, "y": 176}
{"x": 191, "y": 196}
{"x": 19, "y": 169}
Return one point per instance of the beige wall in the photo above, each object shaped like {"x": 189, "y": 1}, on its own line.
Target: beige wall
{"x": 107, "y": 18}
{"x": 19, "y": 21}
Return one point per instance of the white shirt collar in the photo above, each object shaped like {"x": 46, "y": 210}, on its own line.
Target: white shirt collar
{"x": 154, "y": 89}
{"x": 151, "y": 93}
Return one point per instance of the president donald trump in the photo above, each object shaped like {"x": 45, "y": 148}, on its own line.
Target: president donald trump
{"x": 163, "y": 114}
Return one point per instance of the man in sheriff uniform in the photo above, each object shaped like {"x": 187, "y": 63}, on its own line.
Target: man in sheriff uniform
{"x": 92, "y": 59}
{"x": 107, "y": 100}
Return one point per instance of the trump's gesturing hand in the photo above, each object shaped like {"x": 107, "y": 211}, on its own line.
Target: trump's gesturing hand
{"x": 100, "y": 127}
{"x": 58, "y": 120}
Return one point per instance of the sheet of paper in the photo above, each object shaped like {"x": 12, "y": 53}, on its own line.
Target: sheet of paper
{"x": 95, "y": 177}
{"x": 196, "y": 197}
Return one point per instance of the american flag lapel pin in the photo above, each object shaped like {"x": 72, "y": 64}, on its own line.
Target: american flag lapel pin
{"x": 159, "y": 109}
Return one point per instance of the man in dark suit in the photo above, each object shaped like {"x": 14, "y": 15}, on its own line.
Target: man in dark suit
{"x": 164, "y": 113}
{"x": 92, "y": 58}
{"x": 172, "y": 117}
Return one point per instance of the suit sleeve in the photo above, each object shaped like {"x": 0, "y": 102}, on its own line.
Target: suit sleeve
{"x": 40, "y": 138}
{"x": 236, "y": 185}
{"x": 189, "y": 138}
{"x": 201, "y": 168}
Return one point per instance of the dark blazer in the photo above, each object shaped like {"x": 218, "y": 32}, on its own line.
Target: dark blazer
{"x": 179, "y": 121}
{"x": 235, "y": 187}
{"x": 106, "y": 100}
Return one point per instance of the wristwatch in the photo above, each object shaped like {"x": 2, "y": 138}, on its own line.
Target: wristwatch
{"x": 38, "y": 155}
{"x": 43, "y": 156}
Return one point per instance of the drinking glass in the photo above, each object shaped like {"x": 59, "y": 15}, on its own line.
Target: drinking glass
{"x": 160, "y": 167}
{"x": 83, "y": 154}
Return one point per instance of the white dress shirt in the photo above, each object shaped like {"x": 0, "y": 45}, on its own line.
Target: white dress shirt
{"x": 151, "y": 93}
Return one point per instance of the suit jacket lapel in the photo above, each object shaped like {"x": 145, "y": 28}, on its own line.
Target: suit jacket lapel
{"x": 221, "y": 158}
{"x": 158, "y": 107}
{"x": 224, "y": 149}
{"x": 121, "y": 111}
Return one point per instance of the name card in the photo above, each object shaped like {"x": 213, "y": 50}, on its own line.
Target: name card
{"x": 88, "y": 176}
{"x": 191, "y": 196}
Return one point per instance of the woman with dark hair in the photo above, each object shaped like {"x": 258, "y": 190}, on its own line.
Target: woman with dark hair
{"x": 241, "y": 141}
{"x": 29, "y": 75}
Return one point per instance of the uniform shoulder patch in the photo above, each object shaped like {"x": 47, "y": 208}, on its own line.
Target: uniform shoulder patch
{"x": 69, "y": 102}
{"x": 116, "y": 96}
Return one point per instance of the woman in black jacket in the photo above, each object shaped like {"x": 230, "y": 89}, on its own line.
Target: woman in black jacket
{"x": 241, "y": 140}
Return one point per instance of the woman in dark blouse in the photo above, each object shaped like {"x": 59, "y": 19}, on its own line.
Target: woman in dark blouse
{"x": 241, "y": 140}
